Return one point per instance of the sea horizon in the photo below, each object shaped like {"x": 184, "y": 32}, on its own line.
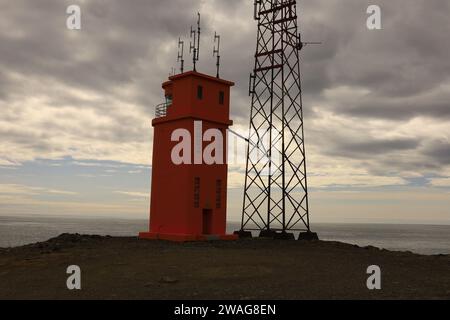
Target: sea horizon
{"x": 427, "y": 239}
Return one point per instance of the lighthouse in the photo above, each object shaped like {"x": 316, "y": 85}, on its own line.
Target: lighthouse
{"x": 189, "y": 170}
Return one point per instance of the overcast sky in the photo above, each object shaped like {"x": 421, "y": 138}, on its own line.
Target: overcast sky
{"x": 76, "y": 106}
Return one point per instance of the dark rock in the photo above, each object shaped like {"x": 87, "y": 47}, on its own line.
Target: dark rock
{"x": 168, "y": 280}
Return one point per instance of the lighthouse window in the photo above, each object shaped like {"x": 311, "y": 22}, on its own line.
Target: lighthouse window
{"x": 169, "y": 100}
{"x": 218, "y": 194}
{"x": 200, "y": 92}
{"x": 221, "y": 97}
{"x": 197, "y": 192}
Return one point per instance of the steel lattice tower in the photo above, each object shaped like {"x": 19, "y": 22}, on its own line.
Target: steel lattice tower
{"x": 276, "y": 189}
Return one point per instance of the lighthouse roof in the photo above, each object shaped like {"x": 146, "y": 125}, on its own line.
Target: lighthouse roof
{"x": 198, "y": 75}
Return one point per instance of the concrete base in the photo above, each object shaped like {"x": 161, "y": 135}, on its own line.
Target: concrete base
{"x": 186, "y": 237}
{"x": 284, "y": 236}
{"x": 308, "y": 236}
{"x": 243, "y": 234}
{"x": 268, "y": 234}
{"x": 271, "y": 234}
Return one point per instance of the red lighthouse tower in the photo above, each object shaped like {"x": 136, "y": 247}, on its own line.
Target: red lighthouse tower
{"x": 189, "y": 197}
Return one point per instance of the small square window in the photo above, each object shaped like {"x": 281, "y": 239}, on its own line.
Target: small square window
{"x": 218, "y": 194}
{"x": 200, "y": 92}
{"x": 196, "y": 192}
{"x": 221, "y": 97}
{"x": 169, "y": 100}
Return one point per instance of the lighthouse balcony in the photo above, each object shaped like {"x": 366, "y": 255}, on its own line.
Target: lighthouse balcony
{"x": 161, "y": 109}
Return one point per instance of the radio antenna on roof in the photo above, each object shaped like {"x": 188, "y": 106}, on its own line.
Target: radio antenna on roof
{"x": 194, "y": 47}
{"x": 216, "y": 52}
{"x": 181, "y": 54}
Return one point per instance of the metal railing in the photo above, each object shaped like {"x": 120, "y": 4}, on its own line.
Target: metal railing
{"x": 161, "y": 110}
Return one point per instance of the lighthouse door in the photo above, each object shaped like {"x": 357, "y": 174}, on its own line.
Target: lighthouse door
{"x": 207, "y": 221}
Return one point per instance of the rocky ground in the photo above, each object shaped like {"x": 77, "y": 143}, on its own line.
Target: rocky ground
{"x": 128, "y": 268}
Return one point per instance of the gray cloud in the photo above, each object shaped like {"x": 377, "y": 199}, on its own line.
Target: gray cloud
{"x": 370, "y": 148}
{"x": 439, "y": 151}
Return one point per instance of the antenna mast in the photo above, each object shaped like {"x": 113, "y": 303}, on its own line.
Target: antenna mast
{"x": 276, "y": 201}
{"x": 181, "y": 54}
{"x": 194, "y": 47}
{"x": 198, "y": 34}
{"x": 216, "y": 52}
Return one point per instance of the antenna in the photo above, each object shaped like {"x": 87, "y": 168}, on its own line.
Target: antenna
{"x": 301, "y": 44}
{"x": 216, "y": 52}
{"x": 198, "y": 35}
{"x": 194, "y": 47}
{"x": 181, "y": 54}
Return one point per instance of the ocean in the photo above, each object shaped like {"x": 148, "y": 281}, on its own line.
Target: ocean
{"x": 422, "y": 239}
